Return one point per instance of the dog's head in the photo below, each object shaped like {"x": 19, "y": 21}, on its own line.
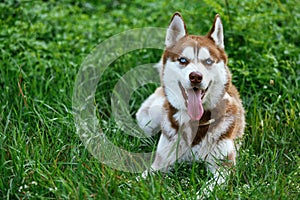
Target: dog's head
{"x": 194, "y": 73}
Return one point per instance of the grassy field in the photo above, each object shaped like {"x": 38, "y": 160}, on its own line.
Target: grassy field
{"x": 42, "y": 45}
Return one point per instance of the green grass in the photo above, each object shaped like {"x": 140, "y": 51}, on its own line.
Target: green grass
{"x": 42, "y": 45}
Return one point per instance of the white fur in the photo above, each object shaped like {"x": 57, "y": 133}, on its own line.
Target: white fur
{"x": 219, "y": 78}
{"x": 203, "y": 53}
{"x": 171, "y": 86}
{"x": 182, "y": 117}
{"x": 189, "y": 53}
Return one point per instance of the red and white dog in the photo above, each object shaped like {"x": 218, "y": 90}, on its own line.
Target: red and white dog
{"x": 197, "y": 108}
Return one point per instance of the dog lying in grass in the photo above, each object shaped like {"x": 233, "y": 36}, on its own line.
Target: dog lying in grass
{"x": 197, "y": 108}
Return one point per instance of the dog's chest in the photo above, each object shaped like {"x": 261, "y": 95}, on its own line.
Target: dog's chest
{"x": 194, "y": 130}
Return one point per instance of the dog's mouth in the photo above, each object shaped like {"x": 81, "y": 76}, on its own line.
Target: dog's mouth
{"x": 193, "y": 99}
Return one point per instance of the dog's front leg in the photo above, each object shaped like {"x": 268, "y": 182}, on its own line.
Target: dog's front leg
{"x": 169, "y": 149}
{"x": 172, "y": 145}
{"x": 219, "y": 162}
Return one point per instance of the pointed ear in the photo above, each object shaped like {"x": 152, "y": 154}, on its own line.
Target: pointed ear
{"x": 216, "y": 32}
{"x": 176, "y": 30}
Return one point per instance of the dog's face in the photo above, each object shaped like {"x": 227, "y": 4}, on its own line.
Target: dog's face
{"x": 194, "y": 71}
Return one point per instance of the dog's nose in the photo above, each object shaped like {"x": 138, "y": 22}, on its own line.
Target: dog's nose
{"x": 195, "y": 77}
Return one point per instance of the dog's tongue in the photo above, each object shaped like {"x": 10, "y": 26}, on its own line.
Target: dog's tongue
{"x": 195, "y": 108}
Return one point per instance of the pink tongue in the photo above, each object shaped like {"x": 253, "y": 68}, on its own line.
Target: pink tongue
{"x": 195, "y": 108}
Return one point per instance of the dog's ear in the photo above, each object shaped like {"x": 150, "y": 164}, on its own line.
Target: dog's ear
{"x": 216, "y": 32}
{"x": 176, "y": 30}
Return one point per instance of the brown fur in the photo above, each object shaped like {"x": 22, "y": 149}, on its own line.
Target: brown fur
{"x": 202, "y": 130}
{"x": 171, "y": 112}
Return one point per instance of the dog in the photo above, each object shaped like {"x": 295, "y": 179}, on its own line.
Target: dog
{"x": 197, "y": 108}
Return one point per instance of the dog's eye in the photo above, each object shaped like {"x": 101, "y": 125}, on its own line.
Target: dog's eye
{"x": 209, "y": 61}
{"x": 183, "y": 61}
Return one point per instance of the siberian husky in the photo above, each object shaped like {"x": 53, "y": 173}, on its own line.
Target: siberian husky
{"x": 197, "y": 108}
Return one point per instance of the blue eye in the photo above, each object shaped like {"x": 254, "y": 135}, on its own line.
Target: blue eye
{"x": 182, "y": 60}
{"x": 209, "y": 61}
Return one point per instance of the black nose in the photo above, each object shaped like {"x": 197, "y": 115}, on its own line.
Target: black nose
{"x": 195, "y": 77}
